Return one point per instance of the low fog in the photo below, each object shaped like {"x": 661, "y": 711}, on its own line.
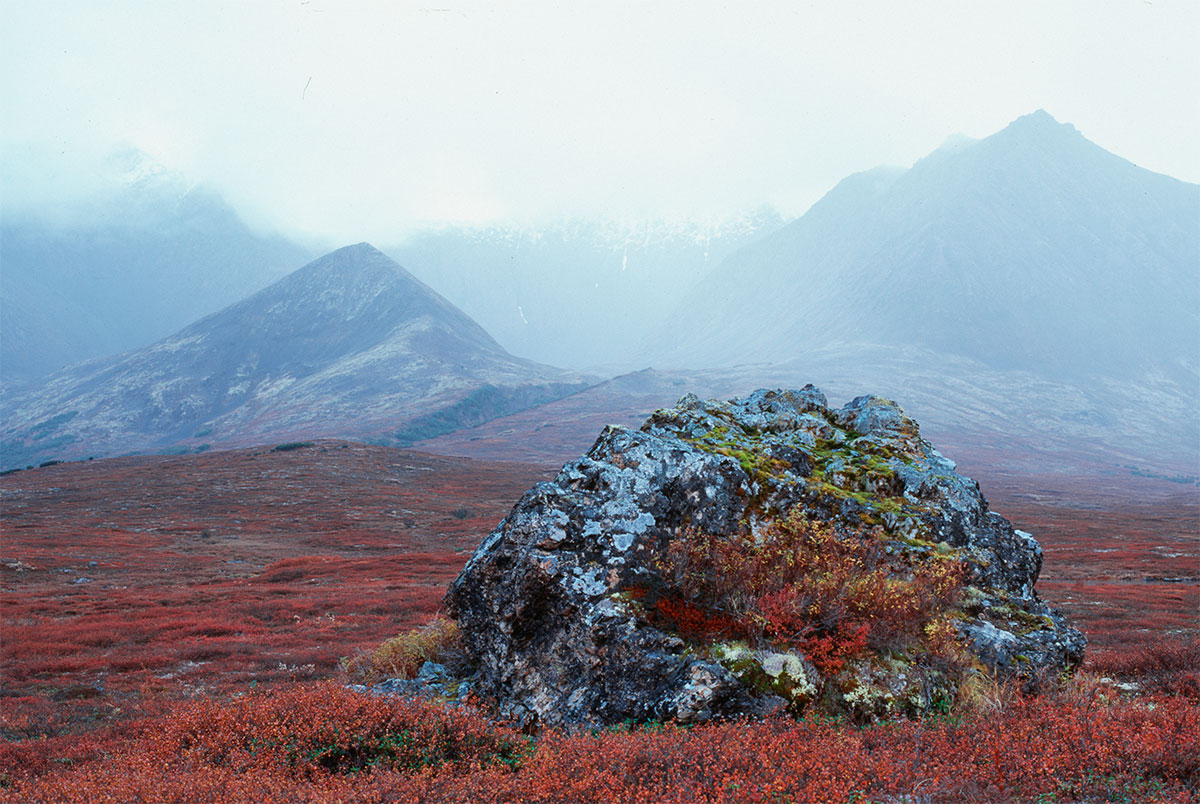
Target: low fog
{"x": 334, "y": 122}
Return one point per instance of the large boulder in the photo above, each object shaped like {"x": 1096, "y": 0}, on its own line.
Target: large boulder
{"x": 566, "y": 608}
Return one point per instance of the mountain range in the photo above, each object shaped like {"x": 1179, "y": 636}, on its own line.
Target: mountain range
{"x": 1028, "y": 292}
{"x": 1033, "y": 249}
{"x": 1028, "y": 286}
{"x": 350, "y": 344}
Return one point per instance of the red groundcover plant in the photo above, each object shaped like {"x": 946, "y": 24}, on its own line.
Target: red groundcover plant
{"x": 801, "y": 584}
{"x": 324, "y": 743}
{"x": 131, "y": 689}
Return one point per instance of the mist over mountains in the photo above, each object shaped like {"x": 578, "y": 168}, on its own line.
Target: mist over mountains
{"x": 350, "y": 344}
{"x": 153, "y": 253}
{"x": 579, "y": 293}
{"x": 1030, "y": 284}
{"x": 149, "y": 256}
{"x": 1033, "y": 249}
{"x": 1028, "y": 289}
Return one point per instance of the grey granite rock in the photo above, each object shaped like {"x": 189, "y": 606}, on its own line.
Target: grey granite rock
{"x": 549, "y": 605}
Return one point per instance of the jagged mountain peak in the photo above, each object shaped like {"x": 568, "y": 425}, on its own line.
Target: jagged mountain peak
{"x": 349, "y": 262}
{"x": 1038, "y": 141}
{"x": 1019, "y": 153}
{"x": 351, "y": 266}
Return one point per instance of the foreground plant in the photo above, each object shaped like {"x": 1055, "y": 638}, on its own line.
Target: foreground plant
{"x": 323, "y": 743}
{"x": 798, "y": 584}
{"x": 402, "y": 656}
{"x": 327, "y": 728}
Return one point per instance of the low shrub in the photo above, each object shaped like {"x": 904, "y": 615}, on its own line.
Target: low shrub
{"x": 1165, "y": 668}
{"x": 805, "y": 585}
{"x": 326, "y": 727}
{"x": 402, "y": 656}
{"x": 326, "y": 744}
{"x": 291, "y": 446}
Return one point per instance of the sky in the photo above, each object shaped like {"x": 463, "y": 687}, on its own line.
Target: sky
{"x": 359, "y": 120}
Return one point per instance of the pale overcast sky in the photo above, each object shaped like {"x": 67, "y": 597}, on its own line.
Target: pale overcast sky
{"x": 355, "y": 120}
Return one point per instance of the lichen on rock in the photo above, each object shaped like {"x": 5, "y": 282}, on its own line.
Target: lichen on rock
{"x": 641, "y": 582}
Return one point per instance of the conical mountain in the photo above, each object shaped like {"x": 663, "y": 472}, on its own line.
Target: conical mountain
{"x": 1033, "y": 249}
{"x": 349, "y": 345}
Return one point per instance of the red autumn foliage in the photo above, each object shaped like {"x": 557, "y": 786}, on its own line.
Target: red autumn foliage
{"x": 1168, "y": 668}
{"x": 698, "y": 623}
{"x": 205, "y": 574}
{"x": 327, "y": 728}
{"x": 807, "y": 585}
{"x": 829, "y": 652}
{"x": 324, "y": 744}
{"x": 132, "y": 687}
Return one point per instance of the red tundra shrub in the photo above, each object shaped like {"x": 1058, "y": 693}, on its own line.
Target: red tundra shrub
{"x": 806, "y": 585}
{"x": 1166, "y": 668}
{"x": 328, "y": 727}
{"x": 697, "y": 623}
{"x": 324, "y": 744}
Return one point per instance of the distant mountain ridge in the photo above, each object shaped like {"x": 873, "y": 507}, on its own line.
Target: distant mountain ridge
{"x": 1029, "y": 285}
{"x": 351, "y": 344}
{"x": 1032, "y": 249}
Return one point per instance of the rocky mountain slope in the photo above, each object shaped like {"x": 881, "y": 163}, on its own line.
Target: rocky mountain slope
{"x": 1032, "y": 249}
{"x": 349, "y": 345}
{"x": 734, "y": 558}
{"x": 126, "y": 271}
{"x": 1047, "y": 286}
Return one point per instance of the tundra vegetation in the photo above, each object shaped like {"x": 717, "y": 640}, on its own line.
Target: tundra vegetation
{"x": 201, "y": 661}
